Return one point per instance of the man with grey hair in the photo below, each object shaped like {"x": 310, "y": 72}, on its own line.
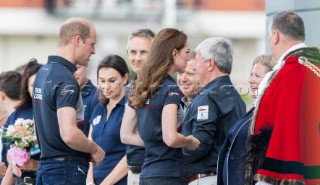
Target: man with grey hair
{"x": 217, "y": 107}
{"x": 285, "y": 124}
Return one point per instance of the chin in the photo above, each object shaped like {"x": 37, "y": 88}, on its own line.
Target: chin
{"x": 254, "y": 94}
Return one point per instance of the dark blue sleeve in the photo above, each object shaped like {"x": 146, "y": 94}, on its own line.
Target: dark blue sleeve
{"x": 173, "y": 95}
{"x": 202, "y": 124}
{"x": 67, "y": 94}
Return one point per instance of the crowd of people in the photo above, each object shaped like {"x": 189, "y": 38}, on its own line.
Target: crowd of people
{"x": 154, "y": 129}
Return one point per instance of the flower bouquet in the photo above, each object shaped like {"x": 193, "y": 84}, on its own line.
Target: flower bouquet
{"x": 23, "y": 137}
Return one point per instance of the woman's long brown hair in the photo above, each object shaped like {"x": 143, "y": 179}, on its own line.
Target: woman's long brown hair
{"x": 157, "y": 65}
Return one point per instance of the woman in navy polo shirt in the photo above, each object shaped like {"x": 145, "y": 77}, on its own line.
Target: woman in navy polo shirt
{"x": 232, "y": 153}
{"x": 24, "y": 110}
{"x": 106, "y": 120}
{"x": 154, "y": 100}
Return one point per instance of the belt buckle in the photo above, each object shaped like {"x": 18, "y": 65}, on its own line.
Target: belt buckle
{"x": 25, "y": 180}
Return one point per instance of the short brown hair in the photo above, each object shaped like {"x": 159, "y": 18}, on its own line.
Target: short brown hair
{"x": 290, "y": 24}
{"x": 73, "y": 27}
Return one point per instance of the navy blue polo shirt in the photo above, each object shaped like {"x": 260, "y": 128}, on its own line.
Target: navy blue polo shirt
{"x": 25, "y": 113}
{"x": 106, "y": 133}
{"x": 135, "y": 154}
{"x": 90, "y": 97}
{"x": 209, "y": 117}
{"x": 54, "y": 87}
{"x": 160, "y": 159}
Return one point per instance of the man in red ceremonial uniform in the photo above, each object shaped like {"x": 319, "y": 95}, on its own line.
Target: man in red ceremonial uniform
{"x": 284, "y": 146}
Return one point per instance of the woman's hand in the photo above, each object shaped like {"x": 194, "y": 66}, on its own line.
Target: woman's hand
{"x": 3, "y": 169}
{"x": 15, "y": 169}
{"x": 193, "y": 143}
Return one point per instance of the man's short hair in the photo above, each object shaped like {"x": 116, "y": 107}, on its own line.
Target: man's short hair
{"x": 10, "y": 83}
{"x": 289, "y": 24}
{"x": 73, "y": 27}
{"x": 220, "y": 50}
{"x": 146, "y": 33}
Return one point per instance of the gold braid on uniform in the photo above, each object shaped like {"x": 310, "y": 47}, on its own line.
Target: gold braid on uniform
{"x": 304, "y": 61}
{"x": 256, "y": 145}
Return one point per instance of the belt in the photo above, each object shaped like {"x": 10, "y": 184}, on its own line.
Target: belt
{"x": 135, "y": 169}
{"x": 27, "y": 177}
{"x": 79, "y": 159}
{"x": 199, "y": 176}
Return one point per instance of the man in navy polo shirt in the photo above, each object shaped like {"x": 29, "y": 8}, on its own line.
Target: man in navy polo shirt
{"x": 213, "y": 112}
{"x": 139, "y": 44}
{"x": 89, "y": 96}
{"x": 65, "y": 150}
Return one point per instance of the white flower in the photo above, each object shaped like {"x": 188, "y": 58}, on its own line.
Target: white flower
{"x": 10, "y": 130}
{"x": 19, "y": 121}
{"x": 21, "y": 133}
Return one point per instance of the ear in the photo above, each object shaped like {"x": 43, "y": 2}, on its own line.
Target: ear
{"x": 125, "y": 79}
{"x": 174, "y": 53}
{"x": 211, "y": 65}
{"x": 76, "y": 40}
{"x": 275, "y": 36}
{"x": 2, "y": 95}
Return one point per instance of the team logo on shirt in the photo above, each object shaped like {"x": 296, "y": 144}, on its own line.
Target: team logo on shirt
{"x": 65, "y": 91}
{"x": 96, "y": 120}
{"x": 173, "y": 93}
{"x": 203, "y": 113}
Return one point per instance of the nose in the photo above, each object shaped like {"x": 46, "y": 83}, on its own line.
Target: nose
{"x": 183, "y": 77}
{"x": 75, "y": 74}
{"x": 138, "y": 56}
{"x": 251, "y": 79}
{"x": 93, "y": 50}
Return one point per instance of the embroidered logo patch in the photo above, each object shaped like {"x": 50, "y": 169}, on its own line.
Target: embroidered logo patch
{"x": 96, "y": 120}
{"x": 173, "y": 93}
{"x": 203, "y": 113}
{"x": 66, "y": 91}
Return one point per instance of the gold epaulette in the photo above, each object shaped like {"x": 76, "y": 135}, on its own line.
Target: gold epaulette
{"x": 304, "y": 61}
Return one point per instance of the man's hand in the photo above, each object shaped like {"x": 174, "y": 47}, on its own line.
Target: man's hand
{"x": 97, "y": 156}
{"x": 31, "y": 164}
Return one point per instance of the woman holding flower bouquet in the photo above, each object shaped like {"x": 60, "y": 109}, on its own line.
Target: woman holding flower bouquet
{"x": 20, "y": 122}
{"x": 106, "y": 120}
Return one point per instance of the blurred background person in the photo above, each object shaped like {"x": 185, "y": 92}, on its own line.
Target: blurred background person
{"x": 10, "y": 81}
{"x": 89, "y": 95}
{"x": 26, "y": 174}
{"x": 153, "y": 103}
{"x": 138, "y": 46}
{"x": 106, "y": 120}
{"x": 3, "y": 118}
{"x": 213, "y": 112}
{"x": 231, "y": 156}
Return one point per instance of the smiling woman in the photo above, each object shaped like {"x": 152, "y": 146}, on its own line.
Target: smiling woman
{"x": 261, "y": 65}
{"x": 106, "y": 120}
